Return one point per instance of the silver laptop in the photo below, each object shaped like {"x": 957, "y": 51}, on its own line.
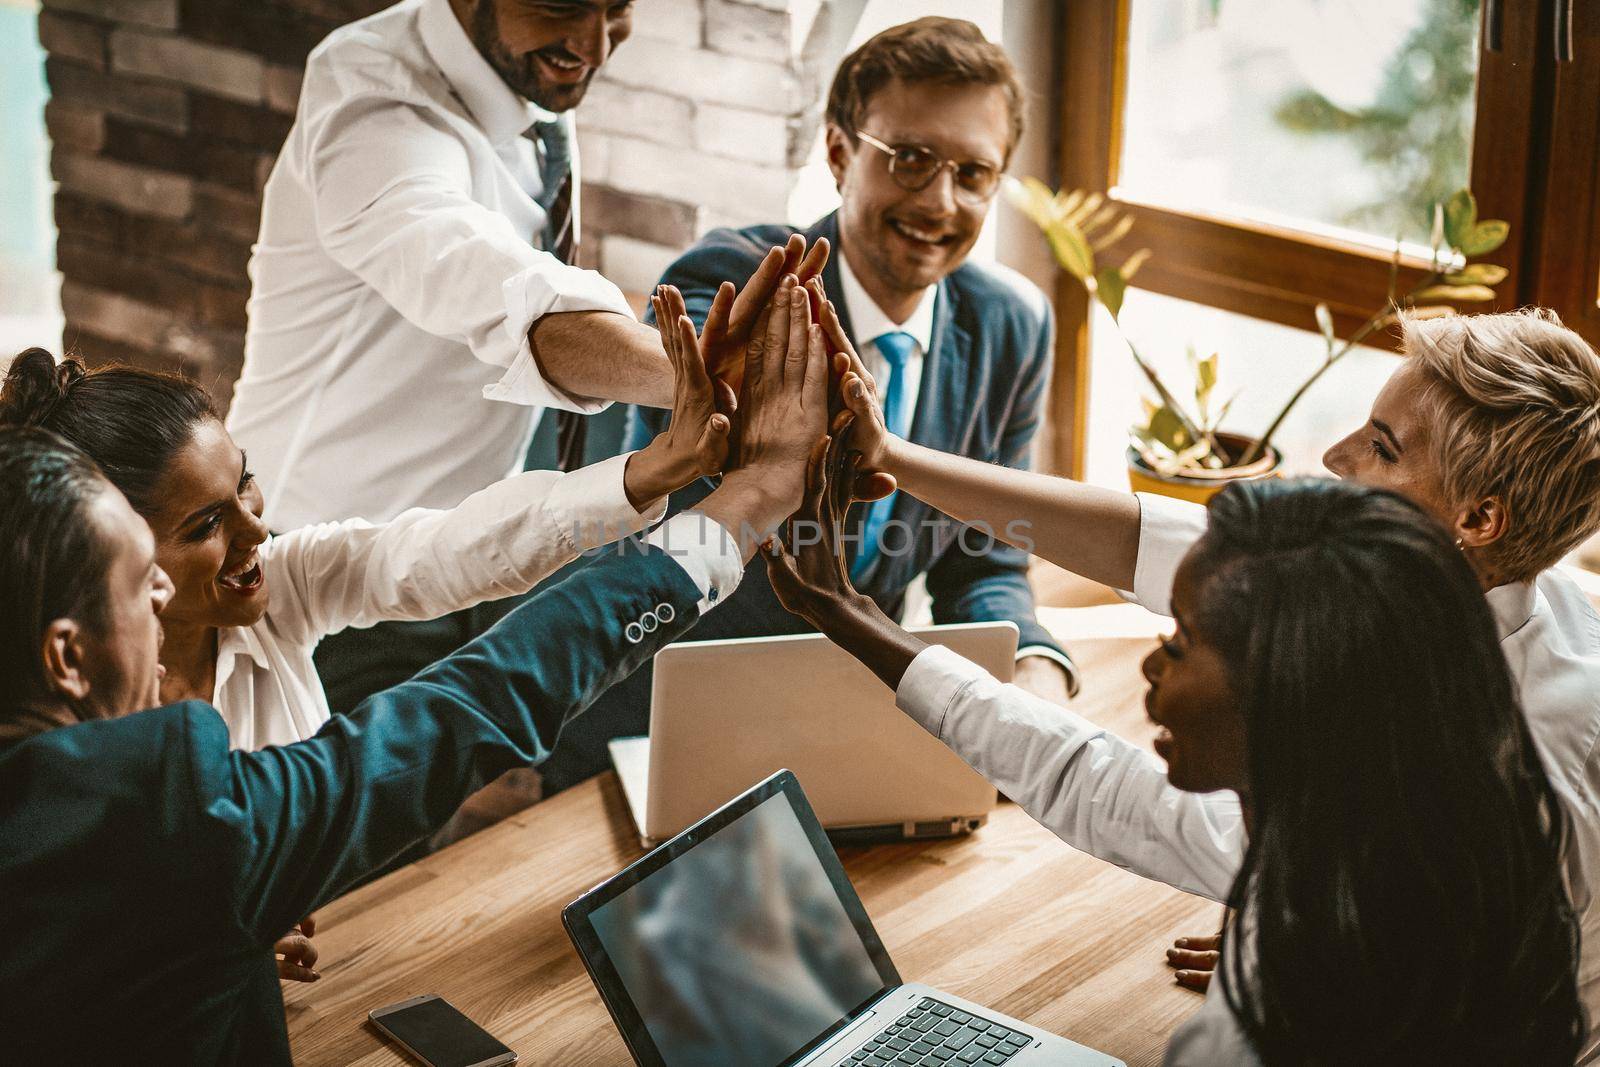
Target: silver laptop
{"x": 742, "y": 943}
{"x": 724, "y": 714}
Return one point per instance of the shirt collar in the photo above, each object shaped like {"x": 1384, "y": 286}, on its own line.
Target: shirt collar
{"x": 501, "y": 113}
{"x": 234, "y": 642}
{"x": 868, "y": 321}
{"x": 1512, "y": 605}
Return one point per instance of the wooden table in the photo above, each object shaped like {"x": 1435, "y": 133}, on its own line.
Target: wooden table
{"x": 1009, "y": 917}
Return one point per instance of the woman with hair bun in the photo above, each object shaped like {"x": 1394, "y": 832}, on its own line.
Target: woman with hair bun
{"x": 248, "y": 608}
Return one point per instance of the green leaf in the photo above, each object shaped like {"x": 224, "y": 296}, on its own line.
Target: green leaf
{"x": 1460, "y": 214}
{"x": 1167, "y": 428}
{"x": 1071, "y": 250}
{"x": 1456, "y": 292}
{"x": 1205, "y": 373}
{"x": 1087, "y": 207}
{"x": 1111, "y": 287}
{"x": 1067, "y": 202}
{"x": 1118, "y": 232}
{"x": 1478, "y": 274}
{"x": 1325, "y": 323}
{"x": 1131, "y": 265}
{"x": 1484, "y": 238}
{"x": 1430, "y": 311}
{"x": 1033, "y": 199}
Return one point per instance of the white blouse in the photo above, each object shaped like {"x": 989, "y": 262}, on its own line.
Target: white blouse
{"x": 1550, "y": 634}
{"x": 1110, "y": 798}
{"x": 500, "y": 541}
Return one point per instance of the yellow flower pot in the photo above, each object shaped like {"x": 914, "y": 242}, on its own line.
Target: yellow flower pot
{"x": 1200, "y": 486}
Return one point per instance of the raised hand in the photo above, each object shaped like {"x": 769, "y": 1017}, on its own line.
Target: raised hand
{"x": 806, "y": 566}
{"x": 736, "y": 316}
{"x": 695, "y": 442}
{"x": 783, "y": 412}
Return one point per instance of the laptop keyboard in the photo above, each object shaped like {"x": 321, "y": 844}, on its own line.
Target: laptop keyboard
{"x": 936, "y": 1035}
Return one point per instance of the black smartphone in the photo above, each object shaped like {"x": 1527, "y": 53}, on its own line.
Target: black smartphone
{"x": 439, "y": 1035}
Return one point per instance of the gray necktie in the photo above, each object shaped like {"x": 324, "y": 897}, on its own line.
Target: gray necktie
{"x": 560, "y": 240}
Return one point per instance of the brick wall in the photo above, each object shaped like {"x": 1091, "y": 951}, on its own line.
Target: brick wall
{"x": 166, "y": 115}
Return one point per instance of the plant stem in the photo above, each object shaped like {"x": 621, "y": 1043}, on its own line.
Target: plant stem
{"x": 1263, "y": 442}
{"x": 1190, "y": 427}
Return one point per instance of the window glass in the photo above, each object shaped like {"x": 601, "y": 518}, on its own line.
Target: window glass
{"x": 30, "y": 309}
{"x": 1353, "y": 116}
{"x": 1263, "y": 362}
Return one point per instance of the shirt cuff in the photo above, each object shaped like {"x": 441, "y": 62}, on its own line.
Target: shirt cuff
{"x": 589, "y": 506}
{"x": 1167, "y": 529}
{"x": 531, "y": 294}
{"x": 1074, "y": 681}
{"x": 931, "y": 685}
{"x": 707, "y": 552}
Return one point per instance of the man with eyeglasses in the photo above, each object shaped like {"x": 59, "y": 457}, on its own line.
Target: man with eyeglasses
{"x": 922, "y": 120}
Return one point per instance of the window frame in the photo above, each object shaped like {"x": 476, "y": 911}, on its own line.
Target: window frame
{"x": 1258, "y": 269}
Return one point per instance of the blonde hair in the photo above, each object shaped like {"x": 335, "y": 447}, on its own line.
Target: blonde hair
{"x": 1514, "y": 401}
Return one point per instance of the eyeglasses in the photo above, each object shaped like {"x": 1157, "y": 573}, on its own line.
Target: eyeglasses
{"x": 914, "y": 168}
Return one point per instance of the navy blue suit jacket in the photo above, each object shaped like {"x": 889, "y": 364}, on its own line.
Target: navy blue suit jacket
{"x": 146, "y": 870}
{"x": 983, "y": 386}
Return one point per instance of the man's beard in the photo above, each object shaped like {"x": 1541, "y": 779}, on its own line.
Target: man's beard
{"x": 520, "y": 75}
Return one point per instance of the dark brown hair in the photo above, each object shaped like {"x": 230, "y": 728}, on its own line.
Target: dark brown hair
{"x": 53, "y": 557}
{"x": 932, "y": 49}
{"x": 1404, "y": 866}
{"x": 129, "y": 421}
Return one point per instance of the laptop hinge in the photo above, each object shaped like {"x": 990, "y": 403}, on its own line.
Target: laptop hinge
{"x": 851, "y": 1027}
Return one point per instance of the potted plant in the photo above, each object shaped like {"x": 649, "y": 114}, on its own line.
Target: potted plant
{"x": 1181, "y": 450}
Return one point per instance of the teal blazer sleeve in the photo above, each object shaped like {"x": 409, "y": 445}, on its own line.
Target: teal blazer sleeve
{"x": 296, "y": 825}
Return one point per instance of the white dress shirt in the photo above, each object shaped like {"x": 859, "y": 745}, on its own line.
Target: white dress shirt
{"x": 396, "y": 278}
{"x": 1110, "y": 798}
{"x": 1099, "y": 794}
{"x": 868, "y": 322}
{"x": 499, "y": 542}
{"x": 1551, "y": 638}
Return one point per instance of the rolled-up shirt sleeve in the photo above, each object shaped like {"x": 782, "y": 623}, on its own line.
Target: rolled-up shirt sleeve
{"x": 391, "y": 188}
{"x": 1167, "y": 530}
{"x": 1094, "y": 790}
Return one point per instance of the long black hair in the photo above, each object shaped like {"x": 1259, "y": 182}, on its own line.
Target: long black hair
{"x": 54, "y": 560}
{"x": 129, "y": 421}
{"x": 1401, "y": 899}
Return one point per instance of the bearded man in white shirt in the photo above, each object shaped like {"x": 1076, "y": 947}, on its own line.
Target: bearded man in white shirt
{"x": 413, "y": 308}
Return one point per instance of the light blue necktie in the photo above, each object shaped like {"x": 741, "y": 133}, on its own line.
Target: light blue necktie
{"x": 897, "y": 349}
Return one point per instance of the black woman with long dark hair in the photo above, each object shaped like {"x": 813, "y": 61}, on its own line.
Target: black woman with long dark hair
{"x": 1400, "y": 897}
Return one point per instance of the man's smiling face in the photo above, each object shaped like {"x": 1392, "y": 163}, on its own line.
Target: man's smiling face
{"x": 547, "y": 51}
{"x": 902, "y": 241}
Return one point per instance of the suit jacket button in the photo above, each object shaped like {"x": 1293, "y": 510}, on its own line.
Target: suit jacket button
{"x": 666, "y": 612}
{"x": 712, "y": 596}
{"x": 634, "y": 633}
{"x": 649, "y": 621}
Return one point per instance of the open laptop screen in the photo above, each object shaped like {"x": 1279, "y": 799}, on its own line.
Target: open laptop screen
{"x": 740, "y": 949}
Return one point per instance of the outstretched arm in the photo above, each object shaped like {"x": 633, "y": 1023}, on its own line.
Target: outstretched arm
{"x": 592, "y": 354}
{"x": 1094, "y": 790}
{"x": 299, "y": 823}
{"x": 1083, "y": 528}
